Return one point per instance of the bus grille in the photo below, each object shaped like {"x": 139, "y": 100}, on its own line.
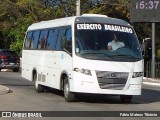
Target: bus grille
{"x": 112, "y": 80}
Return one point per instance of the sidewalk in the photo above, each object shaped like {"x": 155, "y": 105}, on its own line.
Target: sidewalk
{"x": 3, "y": 90}
{"x": 150, "y": 81}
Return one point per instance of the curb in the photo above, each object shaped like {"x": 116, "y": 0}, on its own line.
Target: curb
{"x": 3, "y": 90}
{"x": 151, "y": 83}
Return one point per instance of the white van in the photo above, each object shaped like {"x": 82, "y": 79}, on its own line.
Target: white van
{"x": 72, "y": 54}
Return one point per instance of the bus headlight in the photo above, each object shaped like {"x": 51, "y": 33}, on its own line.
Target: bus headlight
{"x": 84, "y": 71}
{"x": 137, "y": 74}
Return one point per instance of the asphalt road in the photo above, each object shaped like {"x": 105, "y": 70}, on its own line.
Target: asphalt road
{"x": 22, "y": 97}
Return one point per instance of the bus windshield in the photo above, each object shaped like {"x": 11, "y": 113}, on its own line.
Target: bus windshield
{"x": 107, "y": 42}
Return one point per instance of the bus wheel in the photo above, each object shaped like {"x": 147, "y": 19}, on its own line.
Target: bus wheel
{"x": 38, "y": 88}
{"x": 126, "y": 98}
{"x": 69, "y": 96}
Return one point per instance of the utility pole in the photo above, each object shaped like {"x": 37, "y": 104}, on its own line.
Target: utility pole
{"x": 153, "y": 50}
{"x": 78, "y": 13}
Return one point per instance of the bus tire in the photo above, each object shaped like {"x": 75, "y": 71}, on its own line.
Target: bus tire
{"x": 38, "y": 88}
{"x": 126, "y": 98}
{"x": 69, "y": 96}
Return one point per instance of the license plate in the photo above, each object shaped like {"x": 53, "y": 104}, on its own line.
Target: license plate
{"x": 12, "y": 63}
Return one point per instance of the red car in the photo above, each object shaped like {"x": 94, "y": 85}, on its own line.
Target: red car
{"x": 9, "y": 60}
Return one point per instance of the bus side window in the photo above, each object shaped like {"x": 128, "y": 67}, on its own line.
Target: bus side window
{"x": 59, "y": 39}
{"x": 52, "y": 36}
{"x": 42, "y": 39}
{"x": 28, "y": 40}
{"x": 67, "y": 40}
{"x": 35, "y": 37}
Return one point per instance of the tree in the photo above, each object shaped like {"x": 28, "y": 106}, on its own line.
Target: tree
{"x": 17, "y": 16}
{"x": 61, "y": 8}
{"x": 7, "y": 14}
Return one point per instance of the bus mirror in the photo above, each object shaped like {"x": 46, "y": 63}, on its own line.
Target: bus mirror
{"x": 142, "y": 49}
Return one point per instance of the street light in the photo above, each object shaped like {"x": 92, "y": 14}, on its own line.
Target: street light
{"x": 144, "y": 44}
{"x": 78, "y": 13}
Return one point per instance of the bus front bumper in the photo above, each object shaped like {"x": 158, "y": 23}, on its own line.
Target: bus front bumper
{"x": 89, "y": 84}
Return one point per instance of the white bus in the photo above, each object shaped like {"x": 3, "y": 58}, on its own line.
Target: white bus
{"x": 71, "y": 54}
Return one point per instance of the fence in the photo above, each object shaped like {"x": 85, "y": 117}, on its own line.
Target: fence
{"x": 148, "y": 72}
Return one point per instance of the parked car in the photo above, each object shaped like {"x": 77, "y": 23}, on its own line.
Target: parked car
{"x": 9, "y": 60}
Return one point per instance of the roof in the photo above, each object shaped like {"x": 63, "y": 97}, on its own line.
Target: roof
{"x": 70, "y": 21}
{"x": 52, "y": 23}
